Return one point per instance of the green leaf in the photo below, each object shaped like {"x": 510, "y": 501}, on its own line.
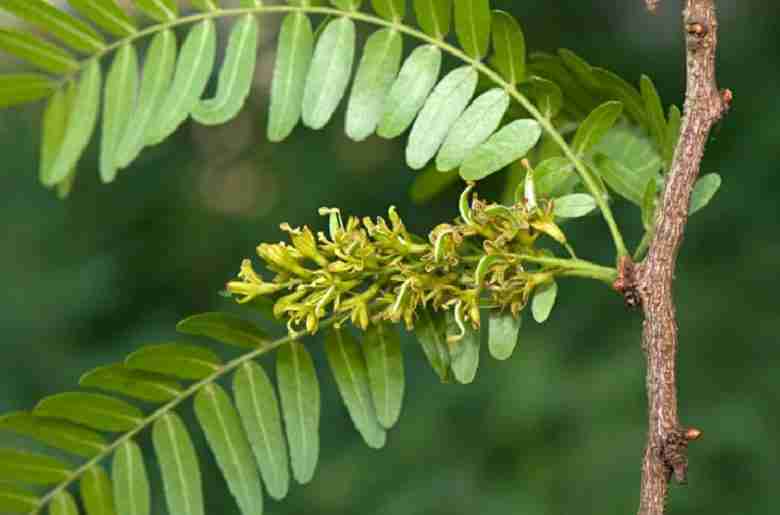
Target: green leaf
{"x": 97, "y": 492}
{"x": 178, "y": 465}
{"x": 117, "y": 378}
{"x": 259, "y": 410}
{"x": 614, "y": 87}
{"x": 293, "y": 57}
{"x": 131, "y": 485}
{"x": 509, "y": 47}
{"x": 330, "y": 72}
{"x": 475, "y": 125}
{"x": 79, "y": 128}
{"x": 193, "y": 70}
{"x": 634, "y": 161}
{"x": 411, "y": 88}
{"x": 349, "y": 368}
{"x": 434, "y": 16}
{"x": 18, "y": 500}
{"x": 544, "y": 301}
{"x": 649, "y": 200}
{"x": 430, "y": 330}
{"x": 21, "y": 88}
{"x": 503, "y": 333}
{"x": 71, "y": 31}
{"x": 14, "y": 499}
{"x": 347, "y": 5}
{"x": 159, "y": 10}
{"x": 574, "y": 205}
{"x": 175, "y": 359}
{"x": 384, "y": 360}
{"x": 235, "y": 77}
{"x": 92, "y": 410}
{"x": 703, "y": 192}
{"x": 39, "y": 53}
{"x": 205, "y": 5}
{"x": 107, "y": 15}
{"x": 55, "y": 433}
{"x": 300, "y": 396}
{"x": 554, "y": 177}
{"x": 672, "y": 135}
{"x": 31, "y": 468}
{"x": 155, "y": 84}
{"x": 596, "y": 125}
{"x": 464, "y": 353}
{"x": 578, "y": 101}
{"x": 442, "y": 109}
{"x": 393, "y": 10}
{"x": 375, "y": 76}
{"x": 63, "y": 504}
{"x": 118, "y": 107}
{"x": 429, "y": 183}
{"x": 225, "y": 328}
{"x": 55, "y": 121}
{"x": 230, "y": 446}
{"x": 472, "y": 25}
{"x": 581, "y": 70}
{"x": 654, "y": 110}
{"x": 506, "y": 146}
{"x": 546, "y": 94}
{"x": 621, "y": 179}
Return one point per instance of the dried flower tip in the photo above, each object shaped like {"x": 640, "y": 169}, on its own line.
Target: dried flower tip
{"x": 692, "y": 434}
{"x": 247, "y": 272}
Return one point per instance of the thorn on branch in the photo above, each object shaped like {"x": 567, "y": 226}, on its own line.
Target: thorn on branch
{"x": 727, "y": 96}
{"x": 697, "y": 29}
{"x": 693, "y": 434}
{"x": 626, "y": 283}
{"x": 652, "y": 5}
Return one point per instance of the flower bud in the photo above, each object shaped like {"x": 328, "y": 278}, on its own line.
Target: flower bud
{"x": 284, "y": 258}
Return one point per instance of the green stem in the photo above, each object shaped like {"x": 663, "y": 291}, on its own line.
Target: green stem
{"x": 575, "y": 268}
{"x": 582, "y": 170}
{"x": 644, "y": 245}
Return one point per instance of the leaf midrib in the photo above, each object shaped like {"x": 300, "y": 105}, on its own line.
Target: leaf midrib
{"x": 262, "y": 422}
{"x": 229, "y": 441}
{"x": 179, "y": 464}
{"x": 220, "y": 103}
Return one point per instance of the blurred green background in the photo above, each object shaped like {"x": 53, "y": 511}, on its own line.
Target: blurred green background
{"x": 559, "y": 428}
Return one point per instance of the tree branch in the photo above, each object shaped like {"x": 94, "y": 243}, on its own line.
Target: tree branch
{"x": 666, "y": 452}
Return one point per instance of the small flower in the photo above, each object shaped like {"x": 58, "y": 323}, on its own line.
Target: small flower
{"x": 251, "y": 285}
{"x": 304, "y": 242}
{"x": 283, "y": 258}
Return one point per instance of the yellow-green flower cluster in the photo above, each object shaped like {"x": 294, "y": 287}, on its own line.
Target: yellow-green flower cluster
{"x": 365, "y": 269}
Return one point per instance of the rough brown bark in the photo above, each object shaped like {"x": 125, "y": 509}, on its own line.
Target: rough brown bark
{"x": 666, "y": 452}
